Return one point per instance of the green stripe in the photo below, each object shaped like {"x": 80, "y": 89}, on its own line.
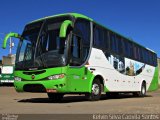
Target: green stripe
{"x": 154, "y": 84}
{"x": 106, "y": 89}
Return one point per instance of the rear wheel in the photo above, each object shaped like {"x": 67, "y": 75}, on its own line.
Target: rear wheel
{"x": 56, "y": 97}
{"x": 96, "y": 91}
{"x": 143, "y": 90}
{"x": 142, "y": 93}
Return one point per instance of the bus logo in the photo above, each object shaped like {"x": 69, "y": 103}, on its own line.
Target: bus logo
{"x": 149, "y": 70}
{"x": 32, "y": 76}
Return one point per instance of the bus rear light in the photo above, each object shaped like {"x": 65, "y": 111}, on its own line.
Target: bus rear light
{"x": 51, "y": 90}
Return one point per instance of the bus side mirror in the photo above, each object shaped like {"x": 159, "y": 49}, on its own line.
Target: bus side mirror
{"x": 63, "y": 28}
{"x": 11, "y": 34}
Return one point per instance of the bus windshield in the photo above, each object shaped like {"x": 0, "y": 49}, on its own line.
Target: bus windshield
{"x": 7, "y": 70}
{"x": 41, "y": 46}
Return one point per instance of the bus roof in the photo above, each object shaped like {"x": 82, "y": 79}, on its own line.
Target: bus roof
{"x": 77, "y": 15}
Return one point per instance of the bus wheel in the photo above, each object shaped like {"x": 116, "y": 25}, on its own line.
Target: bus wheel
{"x": 143, "y": 90}
{"x": 96, "y": 91}
{"x": 142, "y": 93}
{"x": 56, "y": 97}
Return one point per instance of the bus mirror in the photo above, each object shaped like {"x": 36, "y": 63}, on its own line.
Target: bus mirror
{"x": 11, "y": 34}
{"x": 63, "y": 28}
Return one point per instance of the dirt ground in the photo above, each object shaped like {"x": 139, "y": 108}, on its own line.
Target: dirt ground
{"x": 38, "y": 103}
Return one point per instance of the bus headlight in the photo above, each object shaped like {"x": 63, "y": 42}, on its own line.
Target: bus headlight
{"x": 53, "y": 77}
{"x": 17, "y": 79}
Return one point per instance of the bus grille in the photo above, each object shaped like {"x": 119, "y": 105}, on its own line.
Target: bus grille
{"x": 34, "y": 88}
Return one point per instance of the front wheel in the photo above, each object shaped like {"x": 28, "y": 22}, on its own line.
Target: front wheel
{"x": 56, "y": 97}
{"x": 96, "y": 91}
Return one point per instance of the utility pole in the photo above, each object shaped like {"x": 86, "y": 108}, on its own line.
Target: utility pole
{"x": 10, "y": 45}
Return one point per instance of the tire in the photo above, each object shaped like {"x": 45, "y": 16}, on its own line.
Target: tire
{"x": 143, "y": 90}
{"x": 142, "y": 93}
{"x": 95, "y": 94}
{"x": 55, "y": 97}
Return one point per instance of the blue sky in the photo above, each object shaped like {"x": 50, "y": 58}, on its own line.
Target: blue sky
{"x": 136, "y": 19}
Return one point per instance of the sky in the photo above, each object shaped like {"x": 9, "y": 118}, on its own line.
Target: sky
{"x": 135, "y": 19}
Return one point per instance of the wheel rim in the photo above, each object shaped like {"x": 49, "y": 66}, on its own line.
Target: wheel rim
{"x": 95, "y": 89}
{"x": 143, "y": 90}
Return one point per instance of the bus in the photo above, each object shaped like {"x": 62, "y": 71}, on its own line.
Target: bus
{"x": 72, "y": 54}
{"x": 0, "y": 74}
{"x": 7, "y": 76}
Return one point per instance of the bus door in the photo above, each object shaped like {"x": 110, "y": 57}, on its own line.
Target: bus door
{"x": 76, "y": 72}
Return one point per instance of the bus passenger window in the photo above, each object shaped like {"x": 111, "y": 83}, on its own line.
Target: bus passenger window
{"x": 113, "y": 43}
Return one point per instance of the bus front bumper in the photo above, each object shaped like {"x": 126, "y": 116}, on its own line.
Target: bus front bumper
{"x": 6, "y": 81}
{"x": 55, "y": 86}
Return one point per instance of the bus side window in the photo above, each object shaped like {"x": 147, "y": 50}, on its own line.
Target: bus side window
{"x": 120, "y": 45}
{"x": 106, "y": 39}
{"x": 99, "y": 40}
{"x": 75, "y": 51}
{"x": 113, "y": 43}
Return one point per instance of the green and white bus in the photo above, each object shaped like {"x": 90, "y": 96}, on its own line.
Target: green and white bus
{"x": 70, "y": 53}
{"x": 7, "y": 75}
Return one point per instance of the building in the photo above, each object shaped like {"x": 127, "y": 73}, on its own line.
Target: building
{"x": 8, "y": 60}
